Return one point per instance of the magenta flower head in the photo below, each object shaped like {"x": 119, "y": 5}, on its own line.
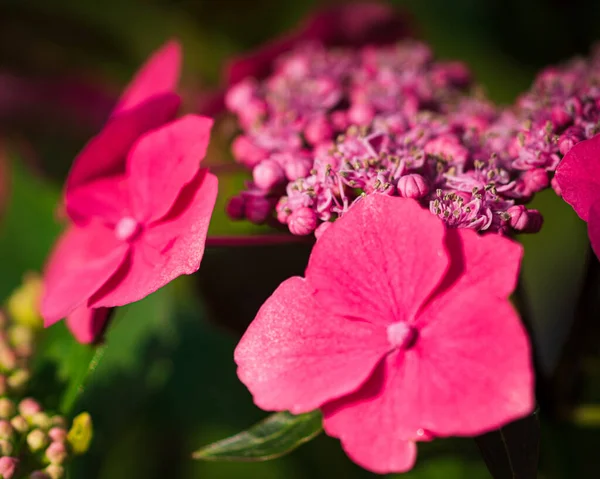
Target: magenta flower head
{"x": 139, "y": 202}
{"x": 355, "y": 24}
{"x": 578, "y": 179}
{"x": 401, "y": 331}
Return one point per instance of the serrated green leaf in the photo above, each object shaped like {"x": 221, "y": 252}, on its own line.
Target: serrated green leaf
{"x": 273, "y": 437}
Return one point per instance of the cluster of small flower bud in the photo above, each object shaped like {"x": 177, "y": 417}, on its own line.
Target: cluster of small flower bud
{"x": 33, "y": 442}
{"x": 332, "y": 125}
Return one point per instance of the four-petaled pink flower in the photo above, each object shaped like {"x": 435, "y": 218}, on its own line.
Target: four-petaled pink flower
{"x": 139, "y": 203}
{"x": 400, "y": 332}
{"x": 578, "y": 179}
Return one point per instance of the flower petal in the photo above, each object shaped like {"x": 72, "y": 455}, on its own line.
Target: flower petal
{"x": 160, "y": 74}
{"x": 295, "y": 356}
{"x": 594, "y": 228}
{"x": 87, "y": 324}
{"x": 380, "y": 261}
{"x": 104, "y": 155}
{"x": 82, "y": 261}
{"x": 167, "y": 249}
{"x": 578, "y": 176}
{"x": 366, "y": 422}
{"x": 162, "y": 162}
{"x": 105, "y": 198}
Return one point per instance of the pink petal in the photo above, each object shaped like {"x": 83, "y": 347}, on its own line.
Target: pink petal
{"x": 87, "y": 324}
{"x": 82, "y": 261}
{"x": 578, "y": 176}
{"x": 106, "y": 198}
{"x": 105, "y": 154}
{"x": 162, "y": 162}
{"x": 368, "y": 266}
{"x": 295, "y": 356}
{"x": 160, "y": 74}
{"x": 489, "y": 263}
{"x": 366, "y": 422}
{"x": 167, "y": 249}
{"x": 594, "y": 228}
{"x": 356, "y": 24}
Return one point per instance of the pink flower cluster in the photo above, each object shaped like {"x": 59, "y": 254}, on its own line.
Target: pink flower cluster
{"x": 330, "y": 125}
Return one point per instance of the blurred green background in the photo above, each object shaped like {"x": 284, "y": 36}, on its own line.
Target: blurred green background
{"x": 167, "y": 382}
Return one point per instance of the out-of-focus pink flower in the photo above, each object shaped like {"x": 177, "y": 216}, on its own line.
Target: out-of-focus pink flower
{"x": 578, "y": 180}
{"x": 341, "y": 25}
{"x": 400, "y": 332}
{"x": 139, "y": 204}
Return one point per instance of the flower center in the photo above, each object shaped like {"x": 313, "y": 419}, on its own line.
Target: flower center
{"x": 401, "y": 335}
{"x": 127, "y": 228}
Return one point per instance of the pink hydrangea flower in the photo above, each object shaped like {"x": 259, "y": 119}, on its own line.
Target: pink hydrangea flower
{"x": 139, "y": 204}
{"x": 401, "y": 331}
{"x": 578, "y": 179}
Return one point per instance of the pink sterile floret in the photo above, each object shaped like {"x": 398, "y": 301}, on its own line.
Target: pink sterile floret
{"x": 401, "y": 331}
{"x": 138, "y": 201}
{"x": 578, "y": 179}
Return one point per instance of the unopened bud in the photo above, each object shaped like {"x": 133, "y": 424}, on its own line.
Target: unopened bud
{"x": 22, "y": 338}
{"x": 267, "y": 174}
{"x": 8, "y": 467}
{"x": 41, "y": 420}
{"x": 56, "y": 453}
{"x": 412, "y": 186}
{"x": 6, "y": 447}
{"x": 302, "y": 221}
{"x": 20, "y": 424}
{"x": 7, "y": 408}
{"x": 524, "y": 220}
{"x": 257, "y": 209}
{"x": 55, "y": 471}
{"x": 6, "y": 430}
{"x": 28, "y": 407}
{"x": 57, "y": 434}
{"x": 18, "y": 379}
{"x": 37, "y": 440}
{"x": 318, "y": 130}
{"x": 247, "y": 152}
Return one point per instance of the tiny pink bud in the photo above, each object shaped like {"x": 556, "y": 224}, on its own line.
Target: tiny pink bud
{"x": 247, "y": 152}
{"x": 297, "y": 167}
{"x": 56, "y": 453}
{"x": 257, "y": 209}
{"x": 282, "y": 209}
{"x": 238, "y": 96}
{"x": 361, "y": 114}
{"x": 535, "y": 180}
{"x": 57, "y": 434}
{"x": 8, "y": 467}
{"x": 302, "y": 221}
{"x": 524, "y": 220}
{"x": 318, "y": 130}
{"x": 412, "y": 186}
{"x": 268, "y": 174}
{"x": 322, "y": 228}
{"x": 570, "y": 138}
{"x": 28, "y": 407}
{"x": 235, "y": 208}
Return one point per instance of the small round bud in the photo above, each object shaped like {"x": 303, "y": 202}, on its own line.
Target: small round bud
{"x": 18, "y": 379}
{"x": 6, "y": 447}
{"x": 283, "y": 210}
{"x": 57, "y": 434}
{"x": 267, "y": 174}
{"x": 56, "y": 453}
{"x": 412, "y": 186}
{"x": 8, "y": 467}
{"x": 302, "y": 221}
{"x": 297, "y": 168}
{"x": 257, "y": 209}
{"x": 41, "y": 420}
{"x": 6, "y": 430}
{"x": 235, "y": 208}
{"x": 55, "y": 471}
{"x": 20, "y": 424}
{"x": 7, "y": 408}
{"x": 535, "y": 180}
{"x": 28, "y": 407}
{"x": 37, "y": 440}
{"x": 247, "y": 152}
{"x": 524, "y": 220}
{"x": 318, "y": 130}
{"x": 361, "y": 114}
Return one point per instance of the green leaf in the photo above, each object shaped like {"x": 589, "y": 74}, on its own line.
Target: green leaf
{"x": 512, "y": 452}
{"x": 276, "y": 436}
